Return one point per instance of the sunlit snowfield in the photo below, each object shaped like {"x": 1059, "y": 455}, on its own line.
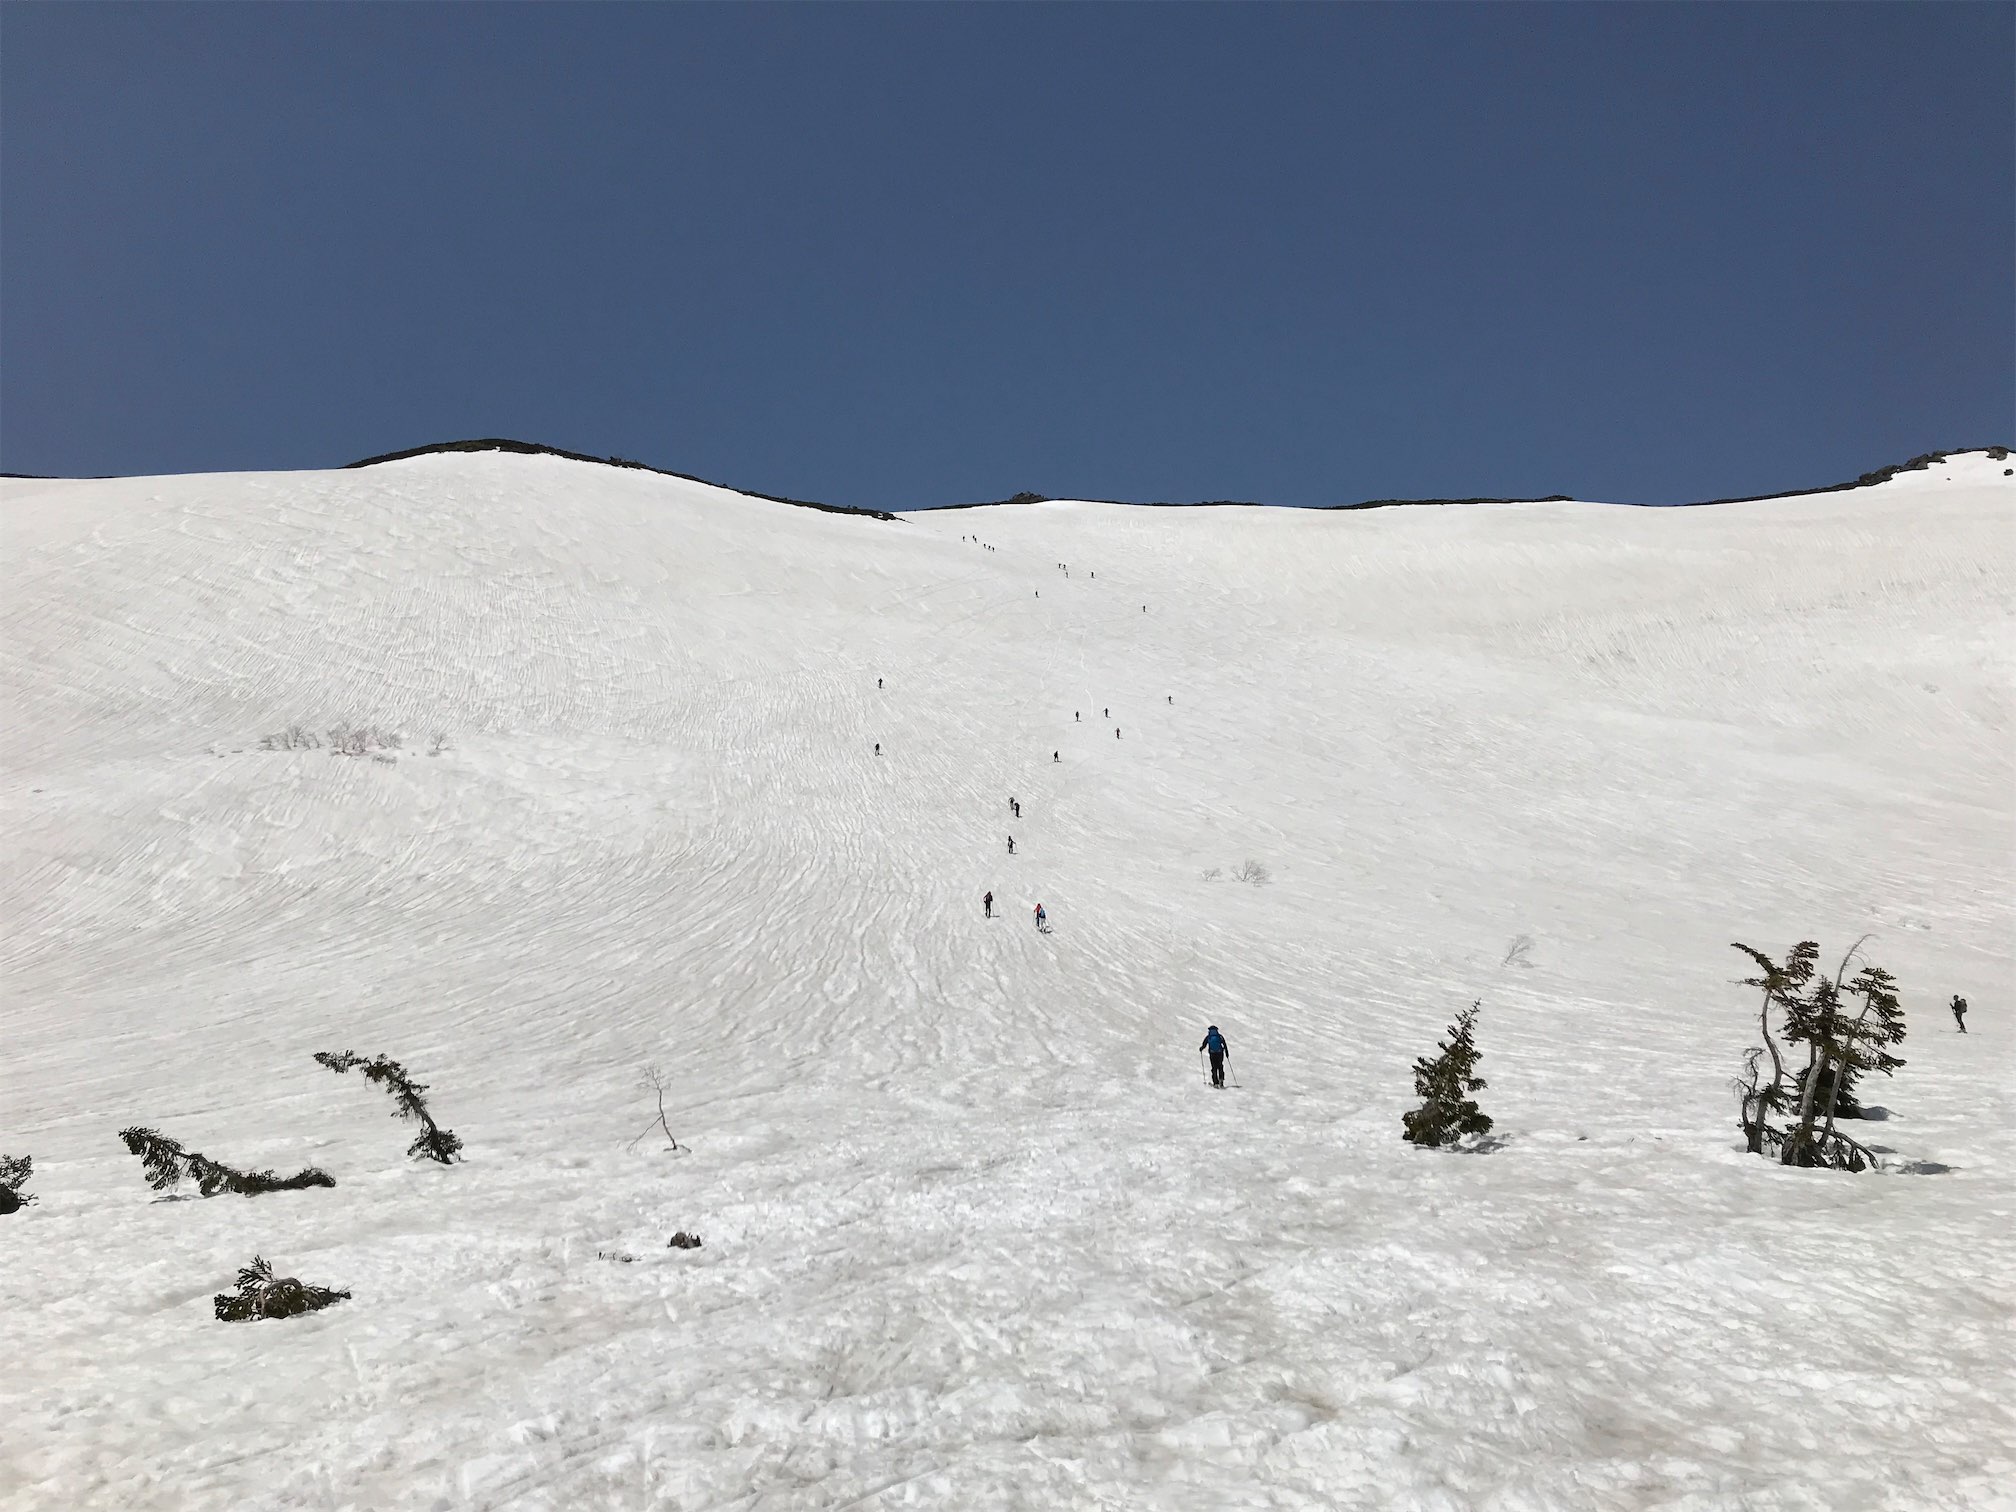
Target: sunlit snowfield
{"x": 976, "y": 1233}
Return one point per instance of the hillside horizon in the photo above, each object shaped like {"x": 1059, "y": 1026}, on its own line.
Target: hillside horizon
{"x": 536, "y": 448}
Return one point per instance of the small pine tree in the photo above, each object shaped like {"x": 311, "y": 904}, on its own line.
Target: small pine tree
{"x": 261, "y": 1294}
{"x": 433, "y": 1141}
{"x": 167, "y": 1163}
{"x": 14, "y": 1173}
{"x": 1444, "y": 1083}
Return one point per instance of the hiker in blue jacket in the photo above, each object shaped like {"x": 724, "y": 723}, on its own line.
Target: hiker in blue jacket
{"x": 1214, "y": 1046}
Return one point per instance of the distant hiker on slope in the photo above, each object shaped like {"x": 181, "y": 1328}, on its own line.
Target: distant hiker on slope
{"x": 1960, "y": 1012}
{"x": 1214, "y": 1046}
{"x": 1011, "y": 845}
{"x": 987, "y": 906}
{"x": 1042, "y": 920}
{"x": 878, "y": 748}
{"x": 1055, "y": 757}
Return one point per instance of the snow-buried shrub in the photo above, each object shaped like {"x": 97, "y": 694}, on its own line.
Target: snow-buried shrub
{"x": 261, "y": 1294}
{"x": 1444, "y": 1083}
{"x": 167, "y": 1163}
{"x": 14, "y": 1173}
{"x": 683, "y": 1240}
{"x": 433, "y": 1142}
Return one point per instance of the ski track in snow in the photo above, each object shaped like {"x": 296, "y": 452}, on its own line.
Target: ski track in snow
{"x": 976, "y": 1234}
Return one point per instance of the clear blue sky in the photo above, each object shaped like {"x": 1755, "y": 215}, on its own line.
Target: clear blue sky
{"x": 906, "y": 254}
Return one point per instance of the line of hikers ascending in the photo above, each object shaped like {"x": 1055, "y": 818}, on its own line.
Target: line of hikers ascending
{"x": 1214, "y": 1046}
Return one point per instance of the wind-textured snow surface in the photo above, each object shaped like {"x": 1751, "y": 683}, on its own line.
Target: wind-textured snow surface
{"x": 977, "y": 1235}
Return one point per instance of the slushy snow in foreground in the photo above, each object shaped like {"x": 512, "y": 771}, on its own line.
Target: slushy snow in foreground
{"x": 977, "y": 1235}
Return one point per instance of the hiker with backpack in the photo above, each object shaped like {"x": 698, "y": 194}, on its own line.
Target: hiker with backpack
{"x": 1214, "y": 1046}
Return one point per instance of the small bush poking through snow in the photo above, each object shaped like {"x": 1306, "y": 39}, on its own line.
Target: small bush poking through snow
{"x": 433, "y": 1142}
{"x": 167, "y": 1163}
{"x": 346, "y": 741}
{"x": 683, "y": 1240}
{"x": 14, "y": 1173}
{"x": 1253, "y": 873}
{"x": 261, "y": 1294}
{"x": 1444, "y": 1083}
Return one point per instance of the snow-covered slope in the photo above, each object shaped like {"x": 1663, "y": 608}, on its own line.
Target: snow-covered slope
{"x": 976, "y": 1234}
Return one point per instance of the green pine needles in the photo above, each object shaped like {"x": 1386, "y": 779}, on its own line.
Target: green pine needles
{"x": 14, "y": 1173}
{"x": 168, "y": 1164}
{"x": 261, "y": 1294}
{"x": 433, "y": 1141}
{"x": 1847, "y": 1026}
{"x": 1444, "y": 1084}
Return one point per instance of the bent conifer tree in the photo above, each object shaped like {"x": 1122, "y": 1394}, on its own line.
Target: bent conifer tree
{"x": 167, "y": 1163}
{"x": 433, "y": 1142}
{"x": 1847, "y": 1026}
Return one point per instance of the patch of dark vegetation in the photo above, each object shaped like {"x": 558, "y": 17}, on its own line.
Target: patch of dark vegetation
{"x": 534, "y": 449}
{"x": 1867, "y": 480}
{"x": 167, "y": 1164}
{"x": 1020, "y": 498}
{"x": 409, "y": 1097}
{"x": 261, "y": 1294}
{"x": 14, "y": 1173}
{"x": 683, "y": 1240}
{"x": 1412, "y": 503}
